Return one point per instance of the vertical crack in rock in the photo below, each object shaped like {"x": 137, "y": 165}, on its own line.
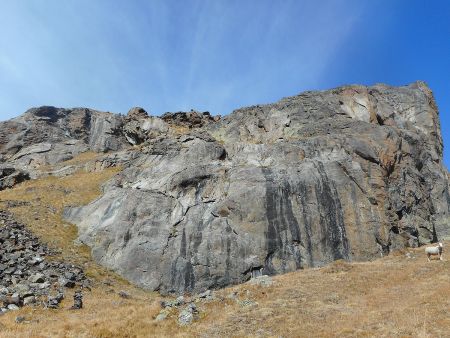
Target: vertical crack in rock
{"x": 182, "y": 274}
{"x": 331, "y": 217}
{"x": 306, "y": 214}
{"x": 447, "y": 197}
{"x": 283, "y": 232}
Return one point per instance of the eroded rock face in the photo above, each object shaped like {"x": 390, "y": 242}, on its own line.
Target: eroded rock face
{"x": 140, "y": 127}
{"x": 48, "y": 135}
{"x": 40, "y": 128}
{"x": 350, "y": 173}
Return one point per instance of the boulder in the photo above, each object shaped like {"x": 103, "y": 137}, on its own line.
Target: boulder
{"x": 54, "y": 300}
{"x": 29, "y": 300}
{"x": 188, "y": 315}
{"x": 33, "y": 149}
{"x": 162, "y": 315}
{"x": 125, "y": 295}
{"x": 137, "y": 113}
{"x": 77, "y": 301}
{"x": 13, "y": 307}
{"x": 263, "y": 280}
{"x": 37, "y": 278}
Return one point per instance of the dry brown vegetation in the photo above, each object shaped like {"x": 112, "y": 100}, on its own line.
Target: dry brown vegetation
{"x": 394, "y": 296}
{"x": 40, "y": 203}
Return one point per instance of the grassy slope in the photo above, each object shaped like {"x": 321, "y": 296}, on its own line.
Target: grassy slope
{"x": 393, "y": 296}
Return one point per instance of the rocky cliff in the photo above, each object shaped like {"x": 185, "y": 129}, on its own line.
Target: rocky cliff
{"x": 203, "y": 202}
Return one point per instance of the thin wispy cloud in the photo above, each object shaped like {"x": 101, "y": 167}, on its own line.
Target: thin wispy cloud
{"x": 168, "y": 55}
{"x": 165, "y": 55}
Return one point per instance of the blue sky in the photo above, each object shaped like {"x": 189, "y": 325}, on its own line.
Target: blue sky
{"x": 215, "y": 55}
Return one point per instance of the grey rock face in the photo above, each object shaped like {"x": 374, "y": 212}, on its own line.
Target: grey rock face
{"x": 49, "y": 135}
{"x": 139, "y": 127}
{"x": 263, "y": 280}
{"x": 33, "y": 149}
{"x": 203, "y": 202}
{"x": 349, "y": 173}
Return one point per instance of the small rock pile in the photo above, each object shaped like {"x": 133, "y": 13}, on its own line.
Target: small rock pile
{"x": 263, "y": 280}
{"x": 188, "y": 315}
{"x": 26, "y": 276}
{"x": 188, "y": 309}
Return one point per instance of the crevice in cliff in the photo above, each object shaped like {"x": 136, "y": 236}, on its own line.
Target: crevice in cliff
{"x": 230, "y": 228}
{"x": 223, "y": 156}
{"x": 399, "y": 214}
{"x": 302, "y": 190}
{"x": 283, "y": 228}
{"x": 344, "y": 169}
{"x": 331, "y": 217}
{"x": 380, "y": 120}
{"x": 395, "y": 229}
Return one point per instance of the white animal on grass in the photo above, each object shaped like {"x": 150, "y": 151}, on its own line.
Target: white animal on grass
{"x": 435, "y": 251}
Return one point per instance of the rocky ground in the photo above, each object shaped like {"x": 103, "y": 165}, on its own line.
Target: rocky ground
{"x": 401, "y": 295}
{"x": 28, "y": 276}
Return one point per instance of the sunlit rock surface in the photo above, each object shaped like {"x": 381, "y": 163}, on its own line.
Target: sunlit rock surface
{"x": 203, "y": 202}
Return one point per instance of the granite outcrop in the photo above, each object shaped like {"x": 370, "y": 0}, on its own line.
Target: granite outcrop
{"x": 203, "y": 201}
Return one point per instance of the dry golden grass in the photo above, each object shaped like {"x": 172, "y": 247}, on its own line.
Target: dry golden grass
{"x": 390, "y": 297}
{"x": 393, "y": 296}
{"x": 82, "y": 158}
{"x": 47, "y": 198}
{"x": 179, "y": 130}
